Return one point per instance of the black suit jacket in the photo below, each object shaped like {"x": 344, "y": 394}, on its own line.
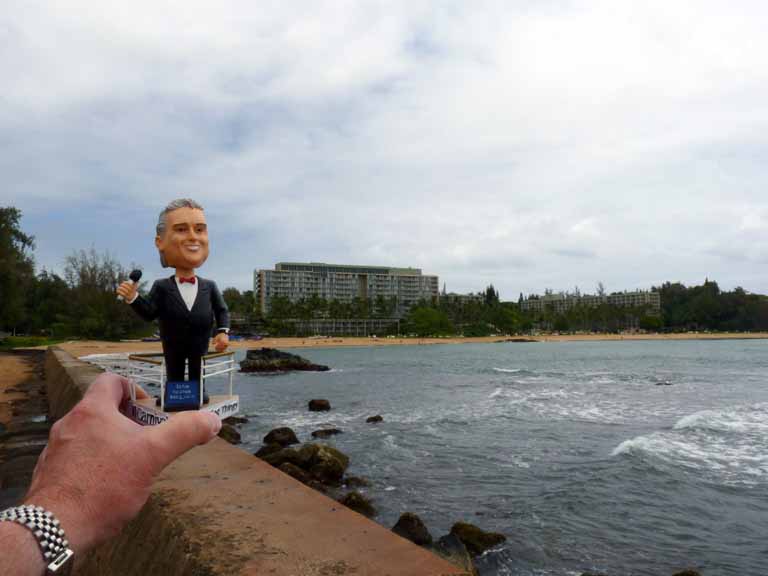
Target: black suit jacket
{"x": 183, "y": 330}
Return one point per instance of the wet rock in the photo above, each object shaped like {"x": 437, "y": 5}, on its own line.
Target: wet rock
{"x": 411, "y": 527}
{"x": 325, "y": 463}
{"x": 374, "y": 419}
{"x": 272, "y": 360}
{"x": 283, "y": 436}
{"x": 475, "y": 539}
{"x": 453, "y": 550}
{"x": 319, "y": 405}
{"x": 359, "y": 503}
{"x": 326, "y": 433}
{"x": 295, "y": 472}
{"x": 356, "y": 482}
{"x": 235, "y": 420}
{"x": 277, "y": 459}
{"x": 593, "y": 574}
{"x": 688, "y": 572}
{"x": 268, "y": 449}
{"x": 229, "y": 433}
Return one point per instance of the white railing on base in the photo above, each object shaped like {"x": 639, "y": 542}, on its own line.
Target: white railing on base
{"x": 151, "y": 368}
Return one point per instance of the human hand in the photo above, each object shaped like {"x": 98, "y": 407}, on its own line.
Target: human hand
{"x": 221, "y": 341}
{"x": 97, "y": 470}
{"x": 127, "y": 290}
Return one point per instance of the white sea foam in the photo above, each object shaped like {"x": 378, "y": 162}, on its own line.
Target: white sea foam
{"x": 116, "y": 362}
{"x": 731, "y": 444}
{"x": 752, "y": 419}
{"x": 510, "y": 370}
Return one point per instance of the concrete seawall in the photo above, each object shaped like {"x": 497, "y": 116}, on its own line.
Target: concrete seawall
{"x": 219, "y": 510}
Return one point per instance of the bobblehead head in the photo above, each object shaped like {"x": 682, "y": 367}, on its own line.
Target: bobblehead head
{"x": 182, "y": 236}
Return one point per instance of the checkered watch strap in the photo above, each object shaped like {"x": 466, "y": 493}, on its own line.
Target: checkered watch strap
{"x": 49, "y": 534}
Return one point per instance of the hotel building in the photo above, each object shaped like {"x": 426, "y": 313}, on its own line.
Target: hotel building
{"x": 560, "y": 303}
{"x": 297, "y": 281}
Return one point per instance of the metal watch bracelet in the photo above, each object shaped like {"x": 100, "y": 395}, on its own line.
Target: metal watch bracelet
{"x": 49, "y": 534}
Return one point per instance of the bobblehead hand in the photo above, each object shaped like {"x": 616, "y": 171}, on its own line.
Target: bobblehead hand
{"x": 127, "y": 290}
{"x": 220, "y": 342}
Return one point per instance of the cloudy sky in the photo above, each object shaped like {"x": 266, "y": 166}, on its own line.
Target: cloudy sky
{"x": 529, "y": 144}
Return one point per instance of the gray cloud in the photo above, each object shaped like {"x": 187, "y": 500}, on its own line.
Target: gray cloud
{"x": 525, "y": 144}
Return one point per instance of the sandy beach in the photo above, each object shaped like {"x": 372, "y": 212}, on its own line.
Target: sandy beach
{"x": 84, "y": 347}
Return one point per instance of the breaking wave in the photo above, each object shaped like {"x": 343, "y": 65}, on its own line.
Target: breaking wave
{"x": 730, "y": 445}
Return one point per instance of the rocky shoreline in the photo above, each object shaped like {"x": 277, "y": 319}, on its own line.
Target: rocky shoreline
{"x": 323, "y": 468}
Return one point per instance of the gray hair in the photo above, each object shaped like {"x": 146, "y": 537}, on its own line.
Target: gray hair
{"x": 174, "y": 205}
{"x": 161, "y": 223}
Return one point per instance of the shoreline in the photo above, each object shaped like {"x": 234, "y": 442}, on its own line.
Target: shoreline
{"x": 84, "y": 347}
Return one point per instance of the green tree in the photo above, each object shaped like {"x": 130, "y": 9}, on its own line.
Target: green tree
{"x": 280, "y": 308}
{"x": 491, "y": 296}
{"x": 16, "y": 268}
{"x": 235, "y": 301}
{"x": 48, "y": 302}
{"x": 426, "y": 321}
{"x": 94, "y": 311}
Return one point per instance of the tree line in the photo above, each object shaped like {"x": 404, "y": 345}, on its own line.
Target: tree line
{"x": 82, "y": 303}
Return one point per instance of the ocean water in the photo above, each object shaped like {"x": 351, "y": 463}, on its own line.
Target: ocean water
{"x": 622, "y": 458}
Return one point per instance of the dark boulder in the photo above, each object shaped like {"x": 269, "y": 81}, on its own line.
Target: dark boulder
{"x": 295, "y": 472}
{"x": 410, "y": 527}
{"x": 359, "y": 503}
{"x": 276, "y": 459}
{"x": 374, "y": 419}
{"x": 268, "y": 449}
{"x": 326, "y": 433}
{"x": 283, "y": 436}
{"x": 356, "y": 482}
{"x": 235, "y": 420}
{"x": 452, "y": 549}
{"x": 229, "y": 433}
{"x": 475, "y": 539}
{"x": 688, "y": 572}
{"x": 319, "y": 405}
{"x": 272, "y": 360}
{"x": 325, "y": 463}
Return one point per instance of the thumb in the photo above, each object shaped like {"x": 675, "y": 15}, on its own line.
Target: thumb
{"x": 180, "y": 433}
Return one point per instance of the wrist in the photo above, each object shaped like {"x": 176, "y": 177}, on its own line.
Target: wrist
{"x": 21, "y": 552}
{"x": 70, "y": 513}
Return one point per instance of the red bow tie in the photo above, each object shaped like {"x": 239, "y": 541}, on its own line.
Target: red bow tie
{"x": 191, "y": 280}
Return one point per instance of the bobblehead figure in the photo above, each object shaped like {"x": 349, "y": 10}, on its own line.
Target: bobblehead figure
{"x": 184, "y": 304}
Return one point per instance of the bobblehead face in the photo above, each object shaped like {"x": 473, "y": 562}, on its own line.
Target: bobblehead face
{"x": 184, "y": 243}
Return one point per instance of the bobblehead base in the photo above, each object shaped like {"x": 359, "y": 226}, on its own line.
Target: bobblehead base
{"x": 145, "y": 412}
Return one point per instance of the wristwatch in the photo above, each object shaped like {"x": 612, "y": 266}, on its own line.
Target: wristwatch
{"x": 48, "y": 533}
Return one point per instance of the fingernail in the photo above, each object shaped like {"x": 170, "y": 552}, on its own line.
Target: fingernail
{"x": 215, "y": 423}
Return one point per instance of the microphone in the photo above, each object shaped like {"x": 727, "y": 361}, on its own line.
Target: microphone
{"x": 134, "y": 277}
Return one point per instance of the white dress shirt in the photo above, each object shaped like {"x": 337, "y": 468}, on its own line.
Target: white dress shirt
{"x": 188, "y": 292}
